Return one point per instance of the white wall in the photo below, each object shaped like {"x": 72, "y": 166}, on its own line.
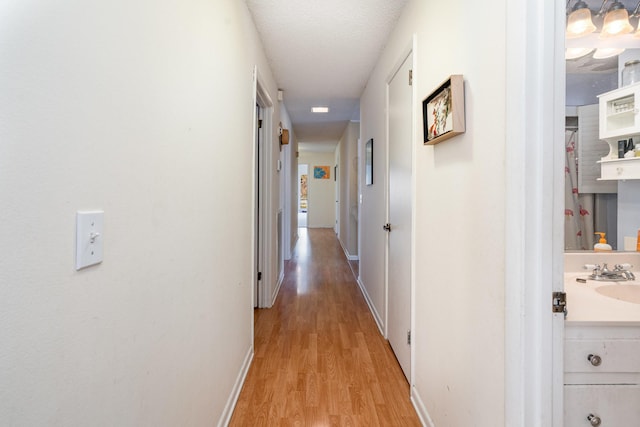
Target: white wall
{"x": 348, "y": 186}
{"x": 287, "y": 177}
{"x": 459, "y": 198}
{"x": 628, "y": 210}
{"x": 145, "y": 112}
{"x": 321, "y": 209}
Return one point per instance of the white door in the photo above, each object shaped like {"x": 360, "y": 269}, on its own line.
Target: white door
{"x": 399, "y": 224}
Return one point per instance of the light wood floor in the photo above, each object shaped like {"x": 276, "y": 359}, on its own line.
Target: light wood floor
{"x": 319, "y": 357}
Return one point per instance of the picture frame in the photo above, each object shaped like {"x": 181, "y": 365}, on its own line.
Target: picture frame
{"x": 368, "y": 162}
{"x": 321, "y": 172}
{"x": 443, "y": 111}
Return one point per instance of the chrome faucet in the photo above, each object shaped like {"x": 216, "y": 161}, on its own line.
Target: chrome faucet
{"x": 620, "y": 272}
{"x": 624, "y": 269}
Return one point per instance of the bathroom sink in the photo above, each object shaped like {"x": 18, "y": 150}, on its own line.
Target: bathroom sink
{"x": 628, "y": 293}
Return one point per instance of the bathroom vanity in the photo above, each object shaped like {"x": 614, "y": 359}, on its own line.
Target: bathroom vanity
{"x": 602, "y": 344}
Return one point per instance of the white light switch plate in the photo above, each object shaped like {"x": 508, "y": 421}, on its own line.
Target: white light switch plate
{"x": 89, "y": 237}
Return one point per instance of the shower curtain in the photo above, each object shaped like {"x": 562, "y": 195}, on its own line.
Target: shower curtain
{"x": 579, "y": 208}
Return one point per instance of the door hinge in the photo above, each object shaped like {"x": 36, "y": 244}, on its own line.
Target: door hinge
{"x": 408, "y": 337}
{"x": 259, "y": 275}
{"x": 560, "y": 302}
{"x": 410, "y": 77}
{"x": 260, "y": 124}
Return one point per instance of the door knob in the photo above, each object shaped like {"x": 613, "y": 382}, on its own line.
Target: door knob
{"x": 386, "y": 227}
{"x": 594, "y": 420}
{"x": 594, "y": 359}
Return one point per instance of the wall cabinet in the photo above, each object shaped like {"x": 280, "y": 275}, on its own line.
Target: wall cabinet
{"x": 602, "y": 375}
{"x": 619, "y": 118}
{"x": 615, "y": 169}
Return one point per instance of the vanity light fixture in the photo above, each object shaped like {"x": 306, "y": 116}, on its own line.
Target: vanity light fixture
{"x": 579, "y": 22}
{"x": 603, "y": 52}
{"x": 319, "y": 109}
{"x": 577, "y": 52}
{"x": 616, "y": 21}
{"x": 612, "y": 22}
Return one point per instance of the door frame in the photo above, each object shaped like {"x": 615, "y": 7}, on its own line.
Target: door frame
{"x": 336, "y": 189}
{"x": 535, "y": 86}
{"x": 409, "y": 50}
{"x": 263, "y": 259}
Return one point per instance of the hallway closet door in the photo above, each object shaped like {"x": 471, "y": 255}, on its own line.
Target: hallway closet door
{"x": 400, "y": 205}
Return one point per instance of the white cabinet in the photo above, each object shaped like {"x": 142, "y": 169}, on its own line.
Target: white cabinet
{"x": 615, "y": 169}
{"x": 619, "y": 119}
{"x": 602, "y": 374}
{"x": 620, "y": 112}
{"x": 611, "y": 405}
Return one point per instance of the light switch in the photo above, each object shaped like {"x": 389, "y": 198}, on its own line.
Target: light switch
{"x": 89, "y": 237}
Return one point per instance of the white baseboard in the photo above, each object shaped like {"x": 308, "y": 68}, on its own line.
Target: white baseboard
{"x": 346, "y": 252}
{"x": 421, "y": 409}
{"x": 276, "y": 291}
{"x": 372, "y": 308}
{"x": 225, "y": 418}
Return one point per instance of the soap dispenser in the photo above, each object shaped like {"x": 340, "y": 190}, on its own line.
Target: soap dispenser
{"x": 602, "y": 245}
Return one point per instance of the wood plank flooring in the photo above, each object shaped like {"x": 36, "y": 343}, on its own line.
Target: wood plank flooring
{"x": 319, "y": 357}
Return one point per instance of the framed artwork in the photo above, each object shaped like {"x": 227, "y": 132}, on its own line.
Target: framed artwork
{"x": 368, "y": 162}
{"x": 321, "y": 172}
{"x": 443, "y": 111}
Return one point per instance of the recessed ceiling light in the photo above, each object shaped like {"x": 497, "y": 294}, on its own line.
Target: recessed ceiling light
{"x": 319, "y": 109}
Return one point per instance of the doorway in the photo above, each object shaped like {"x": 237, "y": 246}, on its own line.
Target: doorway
{"x": 303, "y": 195}
{"x": 399, "y": 224}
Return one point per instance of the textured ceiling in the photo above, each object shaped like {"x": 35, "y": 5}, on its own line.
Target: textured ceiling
{"x": 321, "y": 53}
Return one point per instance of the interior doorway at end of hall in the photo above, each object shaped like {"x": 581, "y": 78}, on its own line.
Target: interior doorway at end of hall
{"x": 303, "y": 195}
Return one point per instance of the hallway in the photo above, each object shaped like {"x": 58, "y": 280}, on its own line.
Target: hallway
{"x": 319, "y": 357}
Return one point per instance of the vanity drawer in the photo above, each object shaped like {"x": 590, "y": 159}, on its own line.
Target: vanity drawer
{"x": 614, "y": 405}
{"x": 602, "y": 356}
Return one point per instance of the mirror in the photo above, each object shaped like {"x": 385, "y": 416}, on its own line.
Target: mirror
{"x": 593, "y": 205}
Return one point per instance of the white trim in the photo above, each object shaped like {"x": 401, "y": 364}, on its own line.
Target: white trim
{"x": 276, "y": 291}
{"x": 346, "y": 252}
{"x": 557, "y": 221}
{"x": 533, "y": 390}
{"x": 263, "y": 99}
{"x": 421, "y": 408}
{"x": 225, "y": 418}
{"x": 417, "y": 122}
{"x": 372, "y": 307}
{"x": 254, "y": 207}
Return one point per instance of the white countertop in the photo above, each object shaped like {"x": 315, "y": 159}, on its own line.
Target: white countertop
{"x": 584, "y": 304}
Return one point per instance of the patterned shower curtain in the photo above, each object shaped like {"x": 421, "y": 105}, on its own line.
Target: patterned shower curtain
{"x": 578, "y": 210}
